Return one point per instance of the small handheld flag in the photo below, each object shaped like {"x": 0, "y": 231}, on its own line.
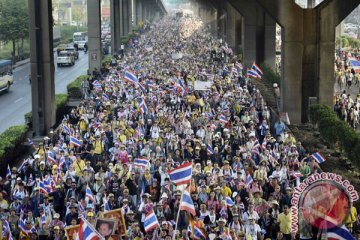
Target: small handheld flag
{"x": 150, "y": 222}
{"x": 182, "y": 174}
{"x": 317, "y": 156}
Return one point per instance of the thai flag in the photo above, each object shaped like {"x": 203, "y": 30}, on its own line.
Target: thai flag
{"x": 181, "y": 86}
{"x": 62, "y": 161}
{"x": 235, "y": 71}
{"x": 8, "y": 172}
{"x": 252, "y": 74}
{"x": 81, "y": 207}
{"x": 42, "y": 220}
{"x": 22, "y": 227}
{"x": 239, "y": 66}
{"x": 87, "y": 232}
{"x": 229, "y": 202}
{"x": 7, "y": 231}
{"x": 150, "y": 222}
{"x": 317, "y": 156}
{"x": 142, "y": 105}
{"x": 295, "y": 174}
{"x": 131, "y": 77}
{"x": 210, "y": 150}
{"x": 198, "y": 233}
{"x": 339, "y": 233}
{"x": 89, "y": 195}
{"x": 171, "y": 222}
{"x": 150, "y": 84}
{"x": 182, "y": 174}
{"x": 222, "y": 119}
{"x": 209, "y": 115}
{"x": 105, "y": 97}
{"x": 249, "y": 180}
{"x": 21, "y": 168}
{"x": 75, "y": 141}
{"x": 106, "y": 205}
{"x": 30, "y": 180}
{"x": 42, "y": 187}
{"x": 51, "y": 157}
{"x": 187, "y": 203}
{"x": 143, "y": 90}
{"x": 141, "y": 162}
{"x": 97, "y": 85}
{"x": 355, "y": 64}
{"x": 30, "y": 142}
{"x": 257, "y": 70}
{"x": 66, "y": 129}
{"x": 256, "y": 144}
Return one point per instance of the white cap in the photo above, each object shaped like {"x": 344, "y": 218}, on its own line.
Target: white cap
{"x": 164, "y": 195}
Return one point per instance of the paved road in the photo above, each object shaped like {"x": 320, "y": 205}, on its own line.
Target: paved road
{"x": 17, "y": 101}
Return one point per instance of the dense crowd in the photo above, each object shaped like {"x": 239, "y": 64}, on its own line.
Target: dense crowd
{"x": 244, "y": 166}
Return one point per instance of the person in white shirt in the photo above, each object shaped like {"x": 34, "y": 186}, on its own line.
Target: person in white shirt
{"x": 250, "y": 213}
{"x": 253, "y": 230}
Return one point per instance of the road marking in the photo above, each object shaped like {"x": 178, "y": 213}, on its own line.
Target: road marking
{"x": 18, "y": 100}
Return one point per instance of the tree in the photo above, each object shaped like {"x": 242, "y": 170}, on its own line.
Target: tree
{"x": 14, "y": 21}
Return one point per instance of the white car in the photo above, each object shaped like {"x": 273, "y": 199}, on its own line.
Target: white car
{"x": 65, "y": 58}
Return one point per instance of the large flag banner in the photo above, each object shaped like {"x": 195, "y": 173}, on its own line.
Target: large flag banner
{"x": 182, "y": 174}
{"x": 151, "y": 222}
{"x": 131, "y": 77}
{"x": 187, "y": 203}
{"x": 355, "y": 64}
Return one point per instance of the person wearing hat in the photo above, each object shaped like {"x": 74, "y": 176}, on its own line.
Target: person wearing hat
{"x": 221, "y": 229}
{"x": 56, "y": 222}
{"x": 72, "y": 214}
{"x": 252, "y": 229}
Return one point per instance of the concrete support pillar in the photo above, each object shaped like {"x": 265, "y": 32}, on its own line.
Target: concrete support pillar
{"x": 233, "y": 28}
{"x": 115, "y": 25}
{"x": 138, "y": 9}
{"x": 94, "y": 34}
{"x": 308, "y": 44}
{"x": 42, "y": 66}
{"x": 130, "y": 15}
{"x": 221, "y": 20}
{"x": 125, "y": 16}
{"x": 258, "y": 33}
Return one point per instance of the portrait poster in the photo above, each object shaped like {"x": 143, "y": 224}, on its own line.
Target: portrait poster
{"x": 106, "y": 227}
{"x": 117, "y": 214}
{"x": 71, "y": 232}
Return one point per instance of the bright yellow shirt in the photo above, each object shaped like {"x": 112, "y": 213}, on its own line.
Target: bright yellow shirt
{"x": 285, "y": 223}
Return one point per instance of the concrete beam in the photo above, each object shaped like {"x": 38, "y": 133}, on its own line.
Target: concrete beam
{"x": 94, "y": 34}
{"x": 258, "y": 33}
{"x": 125, "y": 17}
{"x": 308, "y": 44}
{"x": 42, "y": 66}
{"x": 115, "y": 25}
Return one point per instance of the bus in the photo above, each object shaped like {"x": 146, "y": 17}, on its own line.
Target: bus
{"x": 6, "y": 75}
{"x": 80, "y": 38}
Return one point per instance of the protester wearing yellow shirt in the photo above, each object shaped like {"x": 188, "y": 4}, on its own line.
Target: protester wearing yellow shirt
{"x": 284, "y": 220}
{"x": 351, "y": 218}
{"x": 225, "y": 190}
{"x": 79, "y": 165}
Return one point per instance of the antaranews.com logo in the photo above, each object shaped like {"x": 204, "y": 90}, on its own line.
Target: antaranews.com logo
{"x": 323, "y": 200}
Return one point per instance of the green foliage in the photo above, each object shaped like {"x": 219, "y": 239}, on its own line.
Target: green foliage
{"x": 14, "y": 21}
{"x": 334, "y": 130}
{"x": 106, "y": 60}
{"x": 270, "y": 74}
{"x": 74, "y": 88}
{"x": 9, "y": 141}
{"x": 344, "y": 42}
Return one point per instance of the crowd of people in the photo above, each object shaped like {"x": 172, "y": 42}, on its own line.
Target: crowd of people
{"x": 346, "y": 105}
{"x": 143, "y": 117}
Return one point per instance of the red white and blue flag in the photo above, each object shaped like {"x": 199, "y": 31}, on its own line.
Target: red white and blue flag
{"x": 150, "y": 222}
{"x": 252, "y": 73}
{"x": 198, "y": 233}
{"x": 210, "y": 150}
{"x": 222, "y": 119}
{"x": 229, "y": 202}
{"x": 22, "y": 227}
{"x": 142, "y": 105}
{"x": 180, "y": 86}
{"x": 66, "y": 129}
{"x": 87, "y": 232}
{"x": 89, "y": 196}
{"x": 75, "y": 141}
{"x": 187, "y": 203}
{"x": 7, "y": 231}
{"x": 355, "y": 64}
{"x": 182, "y": 174}
{"x": 339, "y": 233}
{"x": 8, "y": 172}
{"x": 51, "y": 157}
{"x": 317, "y": 156}
{"x": 141, "y": 162}
{"x": 257, "y": 70}
{"x": 249, "y": 180}
{"x": 97, "y": 85}
{"x": 131, "y": 77}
